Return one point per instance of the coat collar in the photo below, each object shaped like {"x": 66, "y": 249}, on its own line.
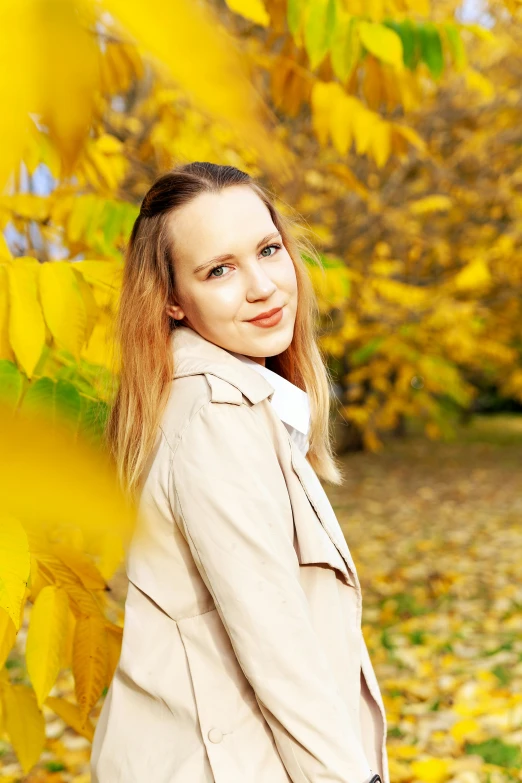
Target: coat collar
{"x": 195, "y": 355}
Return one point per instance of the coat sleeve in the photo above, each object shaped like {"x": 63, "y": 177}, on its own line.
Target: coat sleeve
{"x": 230, "y": 498}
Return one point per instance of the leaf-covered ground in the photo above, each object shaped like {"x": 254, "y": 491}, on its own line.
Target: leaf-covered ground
{"x": 435, "y": 530}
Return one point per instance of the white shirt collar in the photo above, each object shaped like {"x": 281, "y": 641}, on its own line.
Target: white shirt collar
{"x": 289, "y": 401}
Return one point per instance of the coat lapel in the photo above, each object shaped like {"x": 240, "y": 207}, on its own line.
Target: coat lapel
{"x": 322, "y": 507}
{"x": 193, "y": 355}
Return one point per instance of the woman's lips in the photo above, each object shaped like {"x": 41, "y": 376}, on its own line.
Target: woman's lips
{"x": 271, "y": 320}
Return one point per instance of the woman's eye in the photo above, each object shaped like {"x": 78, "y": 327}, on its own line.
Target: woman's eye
{"x": 223, "y": 266}
{"x": 211, "y": 273}
{"x": 277, "y": 247}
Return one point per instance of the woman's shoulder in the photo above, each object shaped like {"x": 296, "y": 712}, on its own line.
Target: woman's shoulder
{"x": 202, "y": 395}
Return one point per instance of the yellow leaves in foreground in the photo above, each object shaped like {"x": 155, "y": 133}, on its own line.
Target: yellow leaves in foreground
{"x": 61, "y": 71}
{"x": 90, "y": 662}
{"x": 47, "y": 479}
{"x": 62, "y": 506}
{"x": 64, "y": 307}
{"x": 187, "y": 40}
{"x": 57, "y": 299}
{"x": 26, "y": 324}
{"x": 46, "y": 639}
{"x": 56, "y": 76}
{"x": 14, "y": 567}
{"x": 24, "y": 722}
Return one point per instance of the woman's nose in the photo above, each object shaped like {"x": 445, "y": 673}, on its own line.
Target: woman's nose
{"x": 260, "y": 284}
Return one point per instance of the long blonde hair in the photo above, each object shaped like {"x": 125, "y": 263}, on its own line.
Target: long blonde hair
{"x": 142, "y": 327}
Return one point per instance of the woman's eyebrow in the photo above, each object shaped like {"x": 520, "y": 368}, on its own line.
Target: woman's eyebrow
{"x": 227, "y": 256}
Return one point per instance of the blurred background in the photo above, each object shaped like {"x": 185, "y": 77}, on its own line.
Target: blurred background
{"x": 393, "y": 130}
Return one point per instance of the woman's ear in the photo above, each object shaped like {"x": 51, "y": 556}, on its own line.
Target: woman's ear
{"x": 175, "y": 312}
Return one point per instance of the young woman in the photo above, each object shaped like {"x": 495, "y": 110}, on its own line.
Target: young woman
{"x": 243, "y": 659}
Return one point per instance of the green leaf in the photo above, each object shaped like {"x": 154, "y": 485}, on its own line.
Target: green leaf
{"x": 113, "y": 217}
{"x": 94, "y": 417}
{"x": 294, "y": 14}
{"x": 495, "y": 751}
{"x": 11, "y": 383}
{"x": 58, "y": 399}
{"x": 319, "y": 27}
{"x": 407, "y": 32}
{"x": 362, "y": 354}
{"x": 431, "y": 49}
{"x": 346, "y": 47}
{"x": 130, "y": 215}
{"x": 455, "y": 45}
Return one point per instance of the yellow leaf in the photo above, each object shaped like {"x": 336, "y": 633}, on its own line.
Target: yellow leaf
{"x": 435, "y": 203}
{"x": 68, "y": 74}
{"x": 364, "y": 122}
{"x": 467, "y": 729}
{"x": 24, "y": 723}
{"x": 63, "y": 305}
{"x": 341, "y": 123}
{"x": 250, "y": 9}
{"x": 54, "y": 570}
{"x": 474, "y": 275}
{"x": 89, "y": 303}
{"x": 16, "y": 85}
{"x": 5, "y": 253}
{"x": 109, "y": 144}
{"x": 46, "y": 638}
{"x": 99, "y": 349}
{"x": 27, "y": 205}
{"x": 7, "y": 636}
{"x": 381, "y": 143}
{"x": 479, "y": 82}
{"x": 81, "y": 210}
{"x": 104, "y": 273}
{"x": 409, "y": 135}
{"x": 69, "y": 641}
{"x": 15, "y": 564}
{"x": 324, "y": 96}
{"x": 70, "y": 714}
{"x": 373, "y": 83}
{"x": 383, "y": 42}
{"x": 73, "y": 482}
{"x": 83, "y": 602}
{"x": 6, "y": 352}
{"x": 90, "y": 662}
{"x": 189, "y": 40}
{"x": 431, "y": 770}
{"x": 81, "y": 565}
{"x": 26, "y": 323}
{"x": 38, "y": 577}
{"x": 114, "y": 637}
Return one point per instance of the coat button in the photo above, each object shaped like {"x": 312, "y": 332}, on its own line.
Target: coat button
{"x": 215, "y": 735}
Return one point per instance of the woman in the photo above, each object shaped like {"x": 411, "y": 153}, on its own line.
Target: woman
{"x": 243, "y": 659}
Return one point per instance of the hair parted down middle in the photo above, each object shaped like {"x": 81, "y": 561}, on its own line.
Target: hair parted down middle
{"x": 143, "y": 327}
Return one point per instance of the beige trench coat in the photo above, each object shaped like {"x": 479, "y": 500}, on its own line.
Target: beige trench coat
{"x": 242, "y": 658}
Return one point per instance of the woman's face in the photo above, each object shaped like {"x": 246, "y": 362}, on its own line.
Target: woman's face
{"x": 218, "y": 297}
